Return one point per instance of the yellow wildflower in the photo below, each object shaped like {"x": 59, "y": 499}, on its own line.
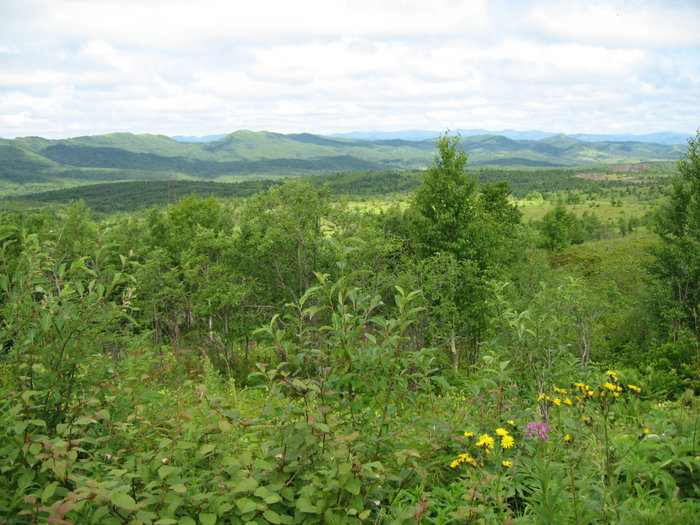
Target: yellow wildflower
{"x": 567, "y": 401}
{"x": 507, "y": 441}
{"x": 506, "y": 464}
{"x": 511, "y": 422}
{"x": 540, "y": 398}
{"x": 609, "y": 386}
{"x": 557, "y": 401}
{"x": 468, "y": 434}
{"x": 635, "y": 388}
{"x": 567, "y": 438}
{"x": 485, "y": 441}
{"x": 501, "y": 432}
{"x": 454, "y": 463}
{"x": 559, "y": 390}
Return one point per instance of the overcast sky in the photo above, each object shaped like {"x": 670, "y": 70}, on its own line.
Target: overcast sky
{"x": 186, "y": 67}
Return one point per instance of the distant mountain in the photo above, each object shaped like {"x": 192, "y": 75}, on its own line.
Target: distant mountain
{"x": 666, "y": 137}
{"x": 30, "y": 163}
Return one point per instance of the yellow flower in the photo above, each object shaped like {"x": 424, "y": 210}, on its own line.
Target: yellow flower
{"x": 567, "y": 401}
{"x": 646, "y": 431}
{"x": 557, "y": 401}
{"x": 462, "y": 458}
{"x": 506, "y": 464}
{"x": 635, "y": 388}
{"x": 511, "y": 422}
{"x": 485, "y": 441}
{"x": 590, "y": 393}
{"x": 612, "y": 375}
{"x": 507, "y": 441}
{"x": 609, "y": 386}
{"x": 468, "y": 434}
{"x": 559, "y": 390}
{"x": 541, "y": 397}
{"x": 501, "y": 432}
{"x": 567, "y": 437}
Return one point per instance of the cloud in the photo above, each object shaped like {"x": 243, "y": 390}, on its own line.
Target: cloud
{"x": 179, "y": 67}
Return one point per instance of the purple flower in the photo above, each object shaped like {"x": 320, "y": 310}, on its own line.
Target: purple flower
{"x": 537, "y": 430}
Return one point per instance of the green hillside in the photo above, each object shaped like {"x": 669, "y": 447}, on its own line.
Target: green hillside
{"x": 31, "y": 164}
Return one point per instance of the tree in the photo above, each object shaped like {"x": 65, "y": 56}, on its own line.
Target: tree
{"x": 444, "y": 206}
{"x": 460, "y": 237}
{"x": 677, "y": 260}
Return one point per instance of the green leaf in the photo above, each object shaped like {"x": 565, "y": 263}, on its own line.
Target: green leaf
{"x": 179, "y": 488}
{"x": 305, "y": 505}
{"x": 123, "y": 501}
{"x": 246, "y": 505}
{"x": 207, "y": 449}
{"x": 245, "y": 485}
{"x": 272, "y": 517}
{"x": 207, "y": 518}
{"x": 353, "y": 486}
{"x": 48, "y": 491}
{"x": 186, "y": 520}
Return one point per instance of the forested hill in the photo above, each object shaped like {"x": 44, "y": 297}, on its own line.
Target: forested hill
{"x": 29, "y": 164}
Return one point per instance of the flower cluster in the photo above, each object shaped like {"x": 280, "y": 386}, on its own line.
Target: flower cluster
{"x": 463, "y": 458}
{"x": 507, "y": 440}
{"x": 487, "y": 443}
{"x": 537, "y": 430}
{"x": 581, "y": 392}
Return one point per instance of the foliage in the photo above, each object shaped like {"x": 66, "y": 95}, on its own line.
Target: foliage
{"x": 294, "y": 358}
{"x": 678, "y": 259}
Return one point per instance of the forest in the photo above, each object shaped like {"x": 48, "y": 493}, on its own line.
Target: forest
{"x": 447, "y": 345}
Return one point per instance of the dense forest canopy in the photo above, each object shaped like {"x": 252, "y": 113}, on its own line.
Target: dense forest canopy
{"x": 464, "y": 348}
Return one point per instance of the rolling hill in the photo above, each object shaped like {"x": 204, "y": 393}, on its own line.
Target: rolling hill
{"x": 31, "y": 164}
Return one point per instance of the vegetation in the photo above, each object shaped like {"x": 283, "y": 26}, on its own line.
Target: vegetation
{"x": 287, "y": 356}
{"x": 32, "y": 164}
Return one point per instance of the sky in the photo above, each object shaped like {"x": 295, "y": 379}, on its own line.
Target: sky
{"x": 183, "y": 67}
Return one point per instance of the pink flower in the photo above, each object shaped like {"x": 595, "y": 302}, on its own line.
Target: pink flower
{"x": 537, "y": 430}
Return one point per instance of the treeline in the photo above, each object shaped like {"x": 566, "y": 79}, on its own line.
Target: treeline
{"x": 550, "y": 184}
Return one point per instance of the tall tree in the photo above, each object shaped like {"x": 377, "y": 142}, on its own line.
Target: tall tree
{"x": 677, "y": 223}
{"x": 444, "y": 205}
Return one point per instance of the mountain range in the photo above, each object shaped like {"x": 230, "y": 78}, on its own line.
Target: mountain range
{"x": 32, "y": 163}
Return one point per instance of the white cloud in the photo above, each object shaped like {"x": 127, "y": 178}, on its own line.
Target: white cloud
{"x": 179, "y": 67}
{"x": 620, "y": 23}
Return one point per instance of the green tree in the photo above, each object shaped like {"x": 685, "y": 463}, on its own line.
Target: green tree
{"x": 461, "y": 238}
{"x": 677, "y": 260}
{"x": 444, "y": 206}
